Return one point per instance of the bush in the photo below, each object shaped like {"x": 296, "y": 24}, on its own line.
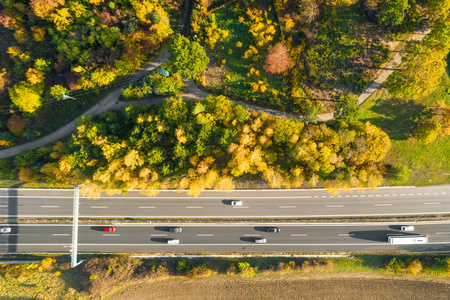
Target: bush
{"x": 182, "y": 265}
{"x": 244, "y": 269}
{"x": 441, "y": 265}
{"x": 399, "y": 173}
{"x": 395, "y": 265}
{"x": 392, "y": 12}
{"x": 414, "y": 267}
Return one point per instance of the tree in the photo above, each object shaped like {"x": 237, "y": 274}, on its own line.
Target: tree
{"x": 45, "y": 8}
{"x": 205, "y": 27}
{"x": 187, "y": 58}
{"x": 392, "y": 12}
{"x": 347, "y": 109}
{"x": 428, "y": 131}
{"x": 277, "y": 59}
{"x": 16, "y": 125}
{"x": 34, "y": 76}
{"x": 57, "y": 91}
{"x": 26, "y": 97}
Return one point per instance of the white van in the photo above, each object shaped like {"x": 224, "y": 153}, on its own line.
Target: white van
{"x": 173, "y": 241}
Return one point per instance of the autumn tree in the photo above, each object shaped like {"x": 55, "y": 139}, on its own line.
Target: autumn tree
{"x": 204, "y": 25}
{"x": 392, "y": 12}
{"x": 26, "y": 96}
{"x": 187, "y": 58}
{"x": 16, "y": 125}
{"x": 277, "y": 59}
{"x": 45, "y": 8}
{"x": 347, "y": 108}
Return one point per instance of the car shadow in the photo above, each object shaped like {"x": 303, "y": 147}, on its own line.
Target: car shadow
{"x": 248, "y": 239}
{"x": 159, "y": 240}
{"x": 395, "y": 227}
{"x": 227, "y": 202}
{"x": 162, "y": 228}
{"x": 261, "y": 228}
{"x": 97, "y": 228}
{"x": 378, "y": 235}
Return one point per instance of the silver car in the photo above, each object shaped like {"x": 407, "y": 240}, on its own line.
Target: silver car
{"x": 173, "y": 241}
{"x": 260, "y": 240}
{"x": 5, "y": 230}
{"x": 236, "y": 203}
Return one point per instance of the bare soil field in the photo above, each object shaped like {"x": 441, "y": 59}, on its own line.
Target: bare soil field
{"x": 292, "y": 286}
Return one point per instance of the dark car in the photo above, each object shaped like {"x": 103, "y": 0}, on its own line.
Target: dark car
{"x": 109, "y": 229}
{"x": 175, "y": 229}
{"x": 273, "y": 229}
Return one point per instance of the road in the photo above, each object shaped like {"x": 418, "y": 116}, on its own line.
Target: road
{"x": 222, "y": 238}
{"x": 212, "y": 204}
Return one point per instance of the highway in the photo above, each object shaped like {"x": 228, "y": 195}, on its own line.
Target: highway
{"x": 151, "y": 238}
{"x": 213, "y": 204}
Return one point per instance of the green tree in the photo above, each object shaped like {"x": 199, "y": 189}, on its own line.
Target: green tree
{"x": 347, "y": 108}
{"x": 392, "y": 12}
{"x": 26, "y": 96}
{"x": 187, "y": 58}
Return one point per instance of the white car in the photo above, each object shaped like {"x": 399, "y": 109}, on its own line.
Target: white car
{"x": 260, "y": 240}
{"x": 173, "y": 241}
{"x": 5, "y": 230}
{"x": 236, "y": 203}
{"x": 407, "y": 228}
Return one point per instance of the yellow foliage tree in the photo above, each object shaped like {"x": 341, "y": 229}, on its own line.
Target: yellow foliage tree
{"x": 35, "y": 76}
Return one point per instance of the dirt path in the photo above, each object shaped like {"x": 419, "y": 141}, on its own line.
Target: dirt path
{"x": 301, "y": 286}
{"x": 419, "y": 34}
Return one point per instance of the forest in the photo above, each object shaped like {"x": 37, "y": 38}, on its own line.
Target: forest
{"x": 205, "y": 144}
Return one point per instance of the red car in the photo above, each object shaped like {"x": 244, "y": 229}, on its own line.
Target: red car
{"x": 109, "y": 229}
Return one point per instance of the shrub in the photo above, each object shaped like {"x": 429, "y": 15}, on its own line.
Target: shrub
{"x": 199, "y": 271}
{"x": 399, "y": 173}
{"x": 414, "y": 267}
{"x": 392, "y": 12}
{"x": 277, "y": 59}
{"x": 441, "y": 265}
{"x": 182, "y": 265}
{"x": 244, "y": 269}
{"x": 57, "y": 91}
{"x": 428, "y": 131}
{"x": 395, "y": 265}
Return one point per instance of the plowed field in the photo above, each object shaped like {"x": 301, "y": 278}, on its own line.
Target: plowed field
{"x": 298, "y": 286}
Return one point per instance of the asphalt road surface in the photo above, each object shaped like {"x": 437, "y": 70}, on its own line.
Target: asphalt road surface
{"x": 212, "y": 204}
{"x": 222, "y": 238}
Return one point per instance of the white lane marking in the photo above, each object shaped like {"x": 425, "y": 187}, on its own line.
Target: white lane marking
{"x": 355, "y": 196}
{"x": 299, "y": 234}
{"x": 316, "y": 196}
{"x": 443, "y": 193}
{"x": 194, "y": 206}
{"x": 435, "y": 193}
{"x": 402, "y": 194}
{"x": 99, "y": 206}
{"x": 61, "y": 234}
{"x": 50, "y": 206}
{"x": 410, "y": 194}
{"x": 240, "y": 206}
{"x": 394, "y": 194}
{"x": 158, "y": 234}
{"x": 442, "y": 232}
{"x": 394, "y": 234}
{"x": 347, "y": 196}
{"x": 363, "y": 195}
{"x": 370, "y": 195}
{"x": 426, "y": 193}
{"x": 109, "y": 234}
{"x": 378, "y": 195}
{"x": 432, "y": 203}
{"x": 147, "y": 206}
{"x": 288, "y": 206}
{"x": 252, "y": 234}
{"x": 419, "y": 194}
{"x": 339, "y": 196}
{"x": 324, "y": 196}
{"x": 383, "y": 204}
{"x": 205, "y": 234}
{"x": 346, "y": 234}
{"x": 3, "y": 205}
{"x": 10, "y": 234}
{"x": 386, "y": 195}
{"x": 335, "y": 205}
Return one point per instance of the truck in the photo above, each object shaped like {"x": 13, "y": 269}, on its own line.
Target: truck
{"x": 408, "y": 239}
